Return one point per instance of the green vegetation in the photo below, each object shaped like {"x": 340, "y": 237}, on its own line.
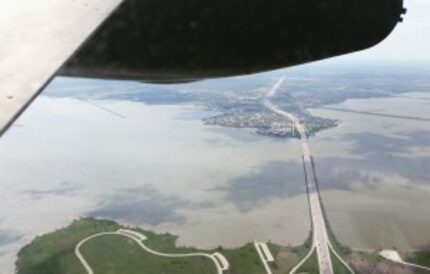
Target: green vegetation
{"x": 312, "y": 123}
{"x": 316, "y": 124}
{"x": 311, "y": 265}
{"x": 372, "y": 258}
{"x": 338, "y": 266}
{"x": 304, "y": 249}
{"x": 118, "y": 254}
{"x": 418, "y": 257}
{"x": 342, "y": 250}
{"x": 244, "y": 260}
{"x": 370, "y": 262}
{"x": 109, "y": 254}
{"x": 286, "y": 258}
{"x": 54, "y": 253}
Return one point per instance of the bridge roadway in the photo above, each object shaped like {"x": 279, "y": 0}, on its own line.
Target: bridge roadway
{"x": 320, "y": 240}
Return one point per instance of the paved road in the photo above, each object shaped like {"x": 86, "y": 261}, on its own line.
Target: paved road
{"x": 394, "y": 256}
{"x": 218, "y": 259}
{"x": 320, "y": 236}
{"x": 265, "y": 255}
{"x": 395, "y": 116}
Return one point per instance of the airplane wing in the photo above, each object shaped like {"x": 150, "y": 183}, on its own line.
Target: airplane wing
{"x": 174, "y": 41}
{"x": 36, "y": 38}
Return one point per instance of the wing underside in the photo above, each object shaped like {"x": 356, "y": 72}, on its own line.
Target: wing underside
{"x": 174, "y": 41}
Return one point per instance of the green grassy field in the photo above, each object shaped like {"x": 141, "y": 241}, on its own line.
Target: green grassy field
{"x": 53, "y": 253}
{"x": 311, "y": 265}
{"x": 338, "y": 266}
{"x": 244, "y": 260}
{"x": 112, "y": 254}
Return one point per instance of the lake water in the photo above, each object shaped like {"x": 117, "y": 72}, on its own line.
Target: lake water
{"x": 159, "y": 167}
{"x": 374, "y": 172}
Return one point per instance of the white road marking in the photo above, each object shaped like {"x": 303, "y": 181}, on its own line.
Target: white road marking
{"x": 340, "y": 258}
{"x": 218, "y": 259}
{"x": 303, "y": 260}
{"x": 394, "y": 256}
{"x": 224, "y": 265}
{"x": 320, "y": 239}
{"x": 265, "y": 257}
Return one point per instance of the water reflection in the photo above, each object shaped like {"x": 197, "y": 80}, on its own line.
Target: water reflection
{"x": 144, "y": 205}
{"x": 270, "y": 181}
{"x": 161, "y": 168}
{"x": 8, "y": 236}
{"x": 63, "y": 189}
{"x": 374, "y": 175}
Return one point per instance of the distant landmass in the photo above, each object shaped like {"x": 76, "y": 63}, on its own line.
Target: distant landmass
{"x": 238, "y": 101}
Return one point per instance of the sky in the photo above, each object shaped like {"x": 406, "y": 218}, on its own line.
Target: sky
{"x": 408, "y": 44}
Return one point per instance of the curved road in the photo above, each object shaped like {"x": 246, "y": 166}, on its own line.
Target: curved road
{"x": 218, "y": 259}
{"x": 311, "y": 251}
{"x": 394, "y": 256}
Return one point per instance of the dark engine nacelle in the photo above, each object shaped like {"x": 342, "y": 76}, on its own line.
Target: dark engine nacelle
{"x": 184, "y": 40}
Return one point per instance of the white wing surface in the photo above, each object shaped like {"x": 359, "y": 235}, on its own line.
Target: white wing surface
{"x": 36, "y": 38}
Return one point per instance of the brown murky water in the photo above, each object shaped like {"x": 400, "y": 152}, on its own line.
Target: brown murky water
{"x": 157, "y": 168}
{"x": 160, "y": 168}
{"x": 375, "y": 173}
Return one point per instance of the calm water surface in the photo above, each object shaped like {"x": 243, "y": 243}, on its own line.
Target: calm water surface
{"x": 159, "y": 167}
{"x": 374, "y": 172}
